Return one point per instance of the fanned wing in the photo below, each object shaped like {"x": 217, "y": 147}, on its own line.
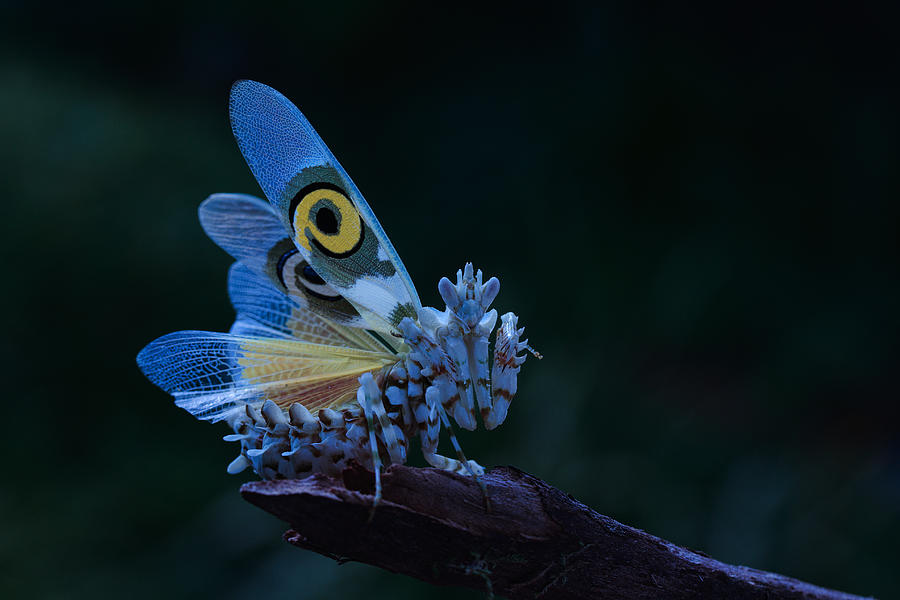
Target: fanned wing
{"x": 249, "y": 230}
{"x": 330, "y": 223}
{"x": 244, "y": 226}
{"x": 212, "y": 374}
{"x": 266, "y": 311}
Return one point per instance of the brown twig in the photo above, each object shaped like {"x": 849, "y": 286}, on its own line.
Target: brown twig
{"x": 538, "y": 542}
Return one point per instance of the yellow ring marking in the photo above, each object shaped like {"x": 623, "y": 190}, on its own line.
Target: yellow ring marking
{"x": 349, "y": 230}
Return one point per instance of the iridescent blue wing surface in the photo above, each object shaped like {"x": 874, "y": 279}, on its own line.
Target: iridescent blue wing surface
{"x": 250, "y": 230}
{"x": 330, "y": 223}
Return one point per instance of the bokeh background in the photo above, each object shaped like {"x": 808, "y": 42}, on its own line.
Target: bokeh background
{"x": 693, "y": 211}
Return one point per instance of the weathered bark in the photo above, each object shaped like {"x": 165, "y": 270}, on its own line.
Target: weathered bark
{"x": 537, "y": 541}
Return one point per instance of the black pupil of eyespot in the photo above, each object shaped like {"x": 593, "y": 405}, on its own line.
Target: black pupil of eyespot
{"x": 311, "y": 276}
{"x": 326, "y": 221}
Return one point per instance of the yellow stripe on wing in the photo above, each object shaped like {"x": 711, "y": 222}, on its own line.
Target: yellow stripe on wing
{"x": 212, "y": 374}
{"x": 315, "y": 375}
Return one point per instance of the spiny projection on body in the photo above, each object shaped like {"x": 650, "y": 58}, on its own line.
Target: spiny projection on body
{"x": 332, "y": 356}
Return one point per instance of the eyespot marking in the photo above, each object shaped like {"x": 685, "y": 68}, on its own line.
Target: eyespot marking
{"x": 295, "y": 274}
{"x": 323, "y": 215}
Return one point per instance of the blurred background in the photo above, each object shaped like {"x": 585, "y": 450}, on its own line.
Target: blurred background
{"x": 694, "y": 213}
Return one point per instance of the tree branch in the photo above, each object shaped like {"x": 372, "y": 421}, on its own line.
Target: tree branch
{"x": 538, "y": 542}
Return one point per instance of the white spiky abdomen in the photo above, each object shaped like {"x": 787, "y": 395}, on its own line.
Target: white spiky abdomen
{"x": 441, "y": 377}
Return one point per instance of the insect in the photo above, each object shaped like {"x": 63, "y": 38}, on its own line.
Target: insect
{"x": 332, "y": 356}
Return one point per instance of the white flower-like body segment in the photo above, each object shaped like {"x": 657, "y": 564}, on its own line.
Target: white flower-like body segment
{"x": 445, "y": 374}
